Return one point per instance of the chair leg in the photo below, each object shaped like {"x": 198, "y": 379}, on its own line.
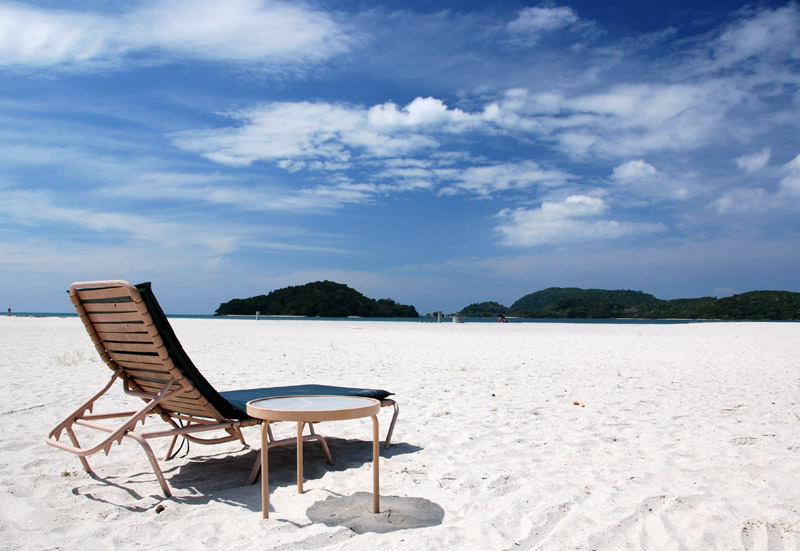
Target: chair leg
{"x": 239, "y": 435}
{"x": 313, "y": 436}
{"x": 74, "y": 439}
{"x": 321, "y": 441}
{"x": 153, "y": 462}
{"x": 391, "y": 426}
{"x": 171, "y": 447}
{"x": 255, "y": 471}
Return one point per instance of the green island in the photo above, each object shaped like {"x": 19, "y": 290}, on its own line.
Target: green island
{"x": 325, "y": 299}
{"x": 575, "y": 303}
{"x": 330, "y": 299}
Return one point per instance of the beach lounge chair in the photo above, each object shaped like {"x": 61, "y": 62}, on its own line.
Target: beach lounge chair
{"x": 134, "y": 338}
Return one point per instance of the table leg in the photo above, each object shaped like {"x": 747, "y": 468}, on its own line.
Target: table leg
{"x": 300, "y": 457}
{"x": 376, "y": 497}
{"x": 264, "y": 469}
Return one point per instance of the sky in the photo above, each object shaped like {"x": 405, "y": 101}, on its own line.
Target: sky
{"x": 435, "y": 153}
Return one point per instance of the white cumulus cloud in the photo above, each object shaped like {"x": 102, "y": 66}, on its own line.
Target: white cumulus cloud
{"x": 576, "y": 219}
{"x": 291, "y": 132}
{"x": 634, "y": 171}
{"x": 641, "y": 182}
{"x": 421, "y": 111}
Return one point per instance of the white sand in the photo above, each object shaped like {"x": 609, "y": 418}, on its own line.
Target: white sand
{"x": 686, "y": 437}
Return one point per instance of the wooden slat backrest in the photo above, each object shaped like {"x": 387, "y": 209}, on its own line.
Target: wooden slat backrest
{"x": 125, "y": 336}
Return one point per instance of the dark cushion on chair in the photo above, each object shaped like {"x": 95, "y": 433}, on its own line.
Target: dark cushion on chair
{"x": 239, "y": 398}
{"x": 233, "y": 404}
{"x": 181, "y": 360}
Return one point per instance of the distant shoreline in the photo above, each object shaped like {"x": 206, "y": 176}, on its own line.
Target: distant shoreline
{"x": 448, "y": 319}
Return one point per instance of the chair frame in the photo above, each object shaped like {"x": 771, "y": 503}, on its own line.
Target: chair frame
{"x": 166, "y": 390}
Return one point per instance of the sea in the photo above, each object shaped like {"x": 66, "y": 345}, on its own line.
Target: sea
{"x": 448, "y": 319}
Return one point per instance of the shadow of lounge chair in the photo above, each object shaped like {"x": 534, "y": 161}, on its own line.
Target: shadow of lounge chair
{"x": 134, "y": 338}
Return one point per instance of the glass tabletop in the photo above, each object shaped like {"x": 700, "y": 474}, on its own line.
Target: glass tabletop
{"x": 313, "y": 403}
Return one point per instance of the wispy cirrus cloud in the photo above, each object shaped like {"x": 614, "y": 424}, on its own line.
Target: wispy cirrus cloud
{"x": 759, "y": 36}
{"x": 478, "y": 180}
{"x": 156, "y": 232}
{"x": 271, "y": 35}
{"x": 249, "y": 31}
{"x": 753, "y": 162}
{"x": 623, "y": 120}
{"x": 41, "y": 208}
{"x": 236, "y": 195}
{"x": 532, "y": 22}
{"x": 481, "y": 181}
{"x": 31, "y": 37}
{"x": 790, "y": 184}
{"x": 486, "y": 180}
{"x": 768, "y": 196}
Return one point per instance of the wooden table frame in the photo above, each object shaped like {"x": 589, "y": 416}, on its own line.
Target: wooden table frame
{"x": 313, "y": 409}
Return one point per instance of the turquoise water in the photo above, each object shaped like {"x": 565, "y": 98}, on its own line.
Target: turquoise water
{"x": 399, "y": 320}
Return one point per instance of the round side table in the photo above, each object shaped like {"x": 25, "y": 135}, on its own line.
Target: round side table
{"x": 313, "y": 409}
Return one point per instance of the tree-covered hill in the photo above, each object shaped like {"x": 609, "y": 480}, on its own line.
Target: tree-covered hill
{"x": 575, "y": 303}
{"x": 485, "y": 310}
{"x": 683, "y": 308}
{"x": 548, "y": 298}
{"x": 764, "y": 305}
{"x": 321, "y": 298}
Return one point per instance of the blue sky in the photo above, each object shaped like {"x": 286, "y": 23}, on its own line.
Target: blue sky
{"x": 438, "y": 154}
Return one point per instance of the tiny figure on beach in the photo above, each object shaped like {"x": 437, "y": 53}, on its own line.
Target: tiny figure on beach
{"x": 502, "y": 319}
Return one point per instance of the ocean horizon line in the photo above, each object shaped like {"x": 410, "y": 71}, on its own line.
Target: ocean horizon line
{"x": 421, "y": 319}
